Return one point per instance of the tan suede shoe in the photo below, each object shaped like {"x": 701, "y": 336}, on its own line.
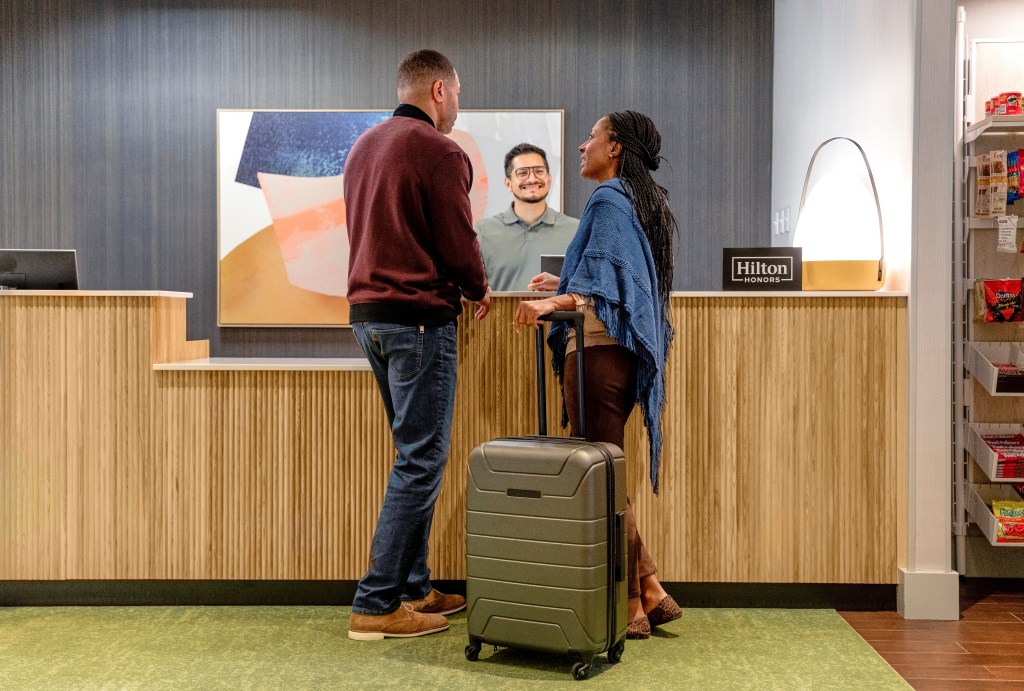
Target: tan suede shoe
{"x": 638, "y": 629}
{"x": 665, "y": 611}
{"x": 438, "y": 603}
{"x": 404, "y": 622}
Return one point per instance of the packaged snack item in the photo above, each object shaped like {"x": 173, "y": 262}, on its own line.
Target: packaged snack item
{"x": 1000, "y": 105}
{"x": 1009, "y": 450}
{"x": 997, "y": 199}
{"x": 1010, "y": 530}
{"x": 1012, "y": 176}
{"x": 1007, "y": 508}
{"x": 1006, "y": 446}
{"x": 1010, "y": 520}
{"x": 983, "y": 180}
{"x": 997, "y": 158}
{"x": 1003, "y": 300}
{"x": 982, "y": 203}
{"x": 998, "y": 183}
{"x": 1009, "y": 378}
{"x": 1006, "y": 238}
{"x": 988, "y": 108}
{"x": 1010, "y": 469}
{"x": 1013, "y": 103}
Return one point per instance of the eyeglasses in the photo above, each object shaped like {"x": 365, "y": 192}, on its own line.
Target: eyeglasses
{"x": 539, "y": 171}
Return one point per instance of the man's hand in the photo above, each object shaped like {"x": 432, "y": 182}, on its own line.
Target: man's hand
{"x": 483, "y": 306}
{"x": 543, "y": 281}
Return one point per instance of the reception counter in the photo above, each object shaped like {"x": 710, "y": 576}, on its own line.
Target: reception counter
{"x": 126, "y": 452}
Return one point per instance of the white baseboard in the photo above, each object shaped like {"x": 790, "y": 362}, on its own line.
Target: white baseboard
{"x": 928, "y": 595}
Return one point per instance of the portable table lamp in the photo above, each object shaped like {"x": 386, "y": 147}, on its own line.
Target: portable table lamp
{"x": 831, "y": 231}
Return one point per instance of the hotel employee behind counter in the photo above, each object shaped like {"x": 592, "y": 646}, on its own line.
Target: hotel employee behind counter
{"x": 513, "y": 241}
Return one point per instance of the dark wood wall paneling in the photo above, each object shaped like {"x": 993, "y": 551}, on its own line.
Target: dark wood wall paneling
{"x": 107, "y": 116}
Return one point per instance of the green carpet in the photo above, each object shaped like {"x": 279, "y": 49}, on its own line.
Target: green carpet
{"x": 306, "y": 648}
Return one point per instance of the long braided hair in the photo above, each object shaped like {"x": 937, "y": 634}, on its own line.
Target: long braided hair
{"x": 641, "y": 144}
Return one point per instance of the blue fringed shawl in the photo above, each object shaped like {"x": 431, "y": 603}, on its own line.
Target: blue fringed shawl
{"x": 610, "y": 261}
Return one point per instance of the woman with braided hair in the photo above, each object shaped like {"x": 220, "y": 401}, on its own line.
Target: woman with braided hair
{"x": 618, "y": 272}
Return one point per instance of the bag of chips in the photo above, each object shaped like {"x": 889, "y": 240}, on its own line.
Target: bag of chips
{"x": 1012, "y": 176}
{"x": 1003, "y": 300}
{"x": 1009, "y": 520}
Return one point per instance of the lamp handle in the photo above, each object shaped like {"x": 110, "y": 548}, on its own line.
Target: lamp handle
{"x": 874, "y": 191}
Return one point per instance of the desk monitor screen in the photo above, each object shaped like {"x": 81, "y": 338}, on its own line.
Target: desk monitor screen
{"x": 39, "y": 269}
{"x": 552, "y": 263}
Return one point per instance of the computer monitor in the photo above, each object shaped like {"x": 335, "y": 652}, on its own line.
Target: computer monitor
{"x": 552, "y": 263}
{"x": 39, "y": 269}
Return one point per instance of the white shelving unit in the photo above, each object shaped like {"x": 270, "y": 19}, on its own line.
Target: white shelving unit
{"x": 984, "y": 404}
{"x": 994, "y": 124}
{"x": 982, "y": 359}
{"x": 984, "y": 455}
{"x": 983, "y": 516}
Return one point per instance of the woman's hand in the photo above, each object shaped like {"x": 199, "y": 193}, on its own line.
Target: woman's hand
{"x": 528, "y": 311}
{"x": 543, "y": 281}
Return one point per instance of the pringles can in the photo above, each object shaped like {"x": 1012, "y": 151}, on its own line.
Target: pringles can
{"x": 1013, "y": 103}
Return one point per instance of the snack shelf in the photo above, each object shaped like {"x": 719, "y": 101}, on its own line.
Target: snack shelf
{"x": 983, "y": 454}
{"x": 983, "y": 515}
{"x": 979, "y": 345}
{"x": 976, "y": 223}
{"x": 995, "y": 124}
{"x": 981, "y": 359}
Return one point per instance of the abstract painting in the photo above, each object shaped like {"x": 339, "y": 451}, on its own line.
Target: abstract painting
{"x": 282, "y": 240}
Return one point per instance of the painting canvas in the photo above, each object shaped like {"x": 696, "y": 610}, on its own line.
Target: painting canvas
{"x": 282, "y": 240}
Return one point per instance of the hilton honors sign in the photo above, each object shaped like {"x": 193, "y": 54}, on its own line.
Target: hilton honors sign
{"x": 761, "y": 268}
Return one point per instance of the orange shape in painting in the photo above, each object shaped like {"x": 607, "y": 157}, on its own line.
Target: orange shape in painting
{"x": 255, "y": 291}
{"x": 478, "y": 192}
{"x": 309, "y": 220}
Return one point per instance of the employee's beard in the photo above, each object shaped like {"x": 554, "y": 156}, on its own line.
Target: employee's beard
{"x": 533, "y": 198}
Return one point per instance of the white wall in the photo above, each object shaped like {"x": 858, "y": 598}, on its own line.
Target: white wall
{"x": 846, "y": 68}
{"x": 993, "y": 18}
{"x": 882, "y": 72}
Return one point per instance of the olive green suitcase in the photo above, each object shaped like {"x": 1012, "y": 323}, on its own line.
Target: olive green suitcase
{"x": 546, "y": 542}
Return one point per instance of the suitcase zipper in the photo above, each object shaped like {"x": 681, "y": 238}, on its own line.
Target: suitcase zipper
{"x": 615, "y": 570}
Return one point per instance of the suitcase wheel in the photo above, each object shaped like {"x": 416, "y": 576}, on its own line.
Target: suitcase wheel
{"x": 615, "y": 653}
{"x": 472, "y": 652}
{"x": 580, "y": 670}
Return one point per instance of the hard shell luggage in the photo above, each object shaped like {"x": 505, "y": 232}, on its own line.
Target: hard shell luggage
{"x": 546, "y": 540}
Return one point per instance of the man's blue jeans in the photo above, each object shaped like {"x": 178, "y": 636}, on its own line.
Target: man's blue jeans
{"x": 415, "y": 368}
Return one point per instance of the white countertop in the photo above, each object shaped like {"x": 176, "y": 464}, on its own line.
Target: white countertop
{"x": 510, "y": 293}
{"x": 95, "y": 293}
{"x": 742, "y": 294}
{"x": 264, "y": 364}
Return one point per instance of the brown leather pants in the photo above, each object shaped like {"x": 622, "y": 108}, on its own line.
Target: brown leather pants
{"x": 609, "y": 391}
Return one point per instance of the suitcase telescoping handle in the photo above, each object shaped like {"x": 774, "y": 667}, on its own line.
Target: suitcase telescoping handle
{"x": 559, "y": 316}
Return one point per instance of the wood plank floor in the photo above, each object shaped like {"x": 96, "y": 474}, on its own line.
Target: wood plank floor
{"x": 984, "y": 650}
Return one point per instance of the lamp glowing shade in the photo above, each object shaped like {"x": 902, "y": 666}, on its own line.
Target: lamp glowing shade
{"x": 836, "y": 229}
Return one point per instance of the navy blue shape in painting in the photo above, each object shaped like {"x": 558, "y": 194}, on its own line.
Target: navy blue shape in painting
{"x": 302, "y": 144}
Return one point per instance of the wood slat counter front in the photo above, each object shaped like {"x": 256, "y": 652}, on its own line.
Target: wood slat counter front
{"x": 784, "y": 458}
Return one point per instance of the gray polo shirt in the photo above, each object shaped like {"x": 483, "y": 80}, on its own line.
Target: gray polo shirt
{"x": 511, "y": 249}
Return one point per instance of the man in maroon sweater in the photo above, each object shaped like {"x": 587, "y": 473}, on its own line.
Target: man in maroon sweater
{"x": 413, "y": 259}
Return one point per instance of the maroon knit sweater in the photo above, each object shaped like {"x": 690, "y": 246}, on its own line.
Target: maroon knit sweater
{"x": 413, "y": 252}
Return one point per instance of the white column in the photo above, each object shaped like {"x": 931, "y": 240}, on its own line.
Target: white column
{"x": 928, "y": 585}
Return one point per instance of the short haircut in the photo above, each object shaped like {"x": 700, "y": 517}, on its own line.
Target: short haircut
{"x": 519, "y": 150}
{"x": 421, "y": 68}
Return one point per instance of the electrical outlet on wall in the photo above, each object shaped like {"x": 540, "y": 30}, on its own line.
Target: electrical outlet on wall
{"x": 780, "y": 221}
